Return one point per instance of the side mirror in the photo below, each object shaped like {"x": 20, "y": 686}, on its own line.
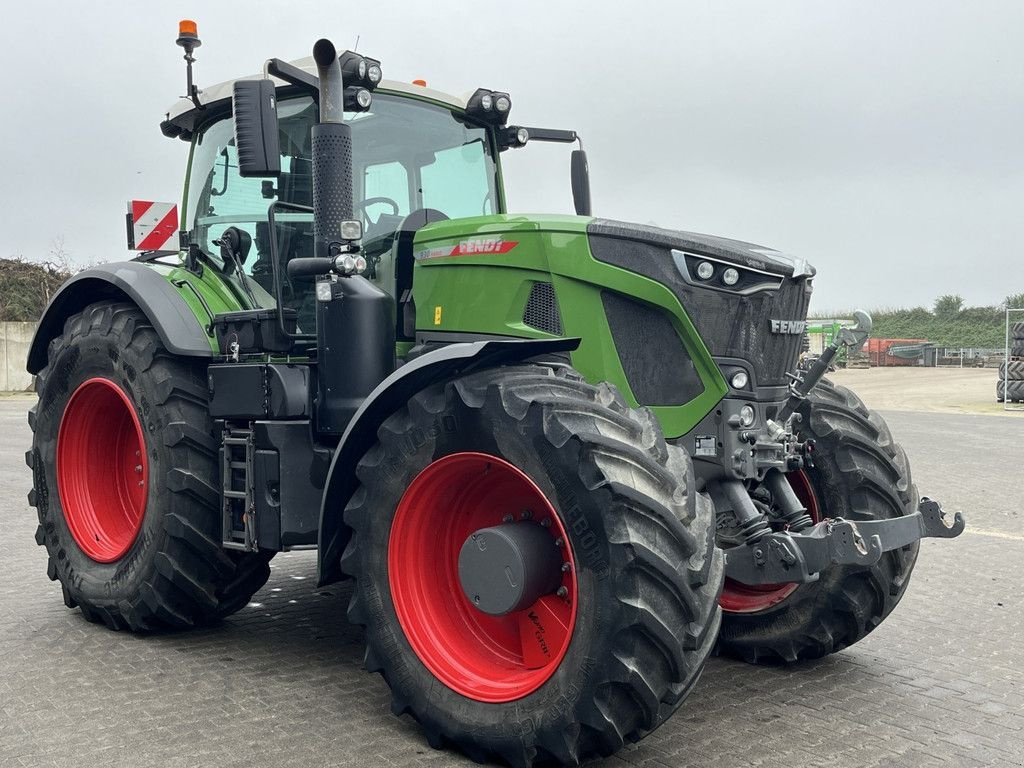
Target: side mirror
{"x": 256, "y": 136}
{"x": 580, "y": 174}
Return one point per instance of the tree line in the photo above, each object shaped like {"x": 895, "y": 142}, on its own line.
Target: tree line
{"x": 949, "y": 323}
{"x": 26, "y": 286}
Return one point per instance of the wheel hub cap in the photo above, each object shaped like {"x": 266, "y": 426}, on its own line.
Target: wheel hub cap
{"x": 509, "y": 567}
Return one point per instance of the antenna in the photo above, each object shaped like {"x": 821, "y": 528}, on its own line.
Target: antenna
{"x": 356, "y": 46}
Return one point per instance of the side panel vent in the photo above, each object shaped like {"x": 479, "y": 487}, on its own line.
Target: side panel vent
{"x": 542, "y": 310}
{"x": 653, "y": 357}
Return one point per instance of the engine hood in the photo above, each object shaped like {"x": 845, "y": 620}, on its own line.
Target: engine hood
{"x": 734, "y": 251}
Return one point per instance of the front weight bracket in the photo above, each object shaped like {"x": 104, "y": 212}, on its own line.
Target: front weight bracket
{"x": 783, "y": 557}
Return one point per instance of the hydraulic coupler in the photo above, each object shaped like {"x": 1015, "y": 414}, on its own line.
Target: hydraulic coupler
{"x": 784, "y": 556}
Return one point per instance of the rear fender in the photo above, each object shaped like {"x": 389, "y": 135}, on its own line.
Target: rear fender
{"x": 176, "y": 324}
{"x": 392, "y": 393}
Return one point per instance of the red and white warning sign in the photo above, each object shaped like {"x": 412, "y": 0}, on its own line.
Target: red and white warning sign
{"x": 152, "y": 226}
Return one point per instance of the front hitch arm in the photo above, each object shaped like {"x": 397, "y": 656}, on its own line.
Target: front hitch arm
{"x": 782, "y": 557}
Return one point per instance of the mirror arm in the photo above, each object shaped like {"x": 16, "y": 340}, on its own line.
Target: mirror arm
{"x": 552, "y": 134}
{"x": 282, "y": 70}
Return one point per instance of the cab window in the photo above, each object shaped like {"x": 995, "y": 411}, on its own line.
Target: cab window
{"x": 407, "y": 155}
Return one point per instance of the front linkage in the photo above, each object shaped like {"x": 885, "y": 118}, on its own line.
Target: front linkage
{"x": 787, "y": 556}
{"x": 804, "y": 549}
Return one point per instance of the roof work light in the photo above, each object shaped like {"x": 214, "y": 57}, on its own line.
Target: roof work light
{"x": 489, "y": 106}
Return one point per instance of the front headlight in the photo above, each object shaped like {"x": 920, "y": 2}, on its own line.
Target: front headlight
{"x": 747, "y": 416}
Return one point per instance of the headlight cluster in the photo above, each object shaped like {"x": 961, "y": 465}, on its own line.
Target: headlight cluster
{"x": 361, "y": 75}
{"x": 722, "y": 276}
{"x": 706, "y": 270}
{"x": 489, "y": 106}
{"x": 349, "y": 264}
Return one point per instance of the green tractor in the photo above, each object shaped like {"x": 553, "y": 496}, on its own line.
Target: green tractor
{"x": 561, "y": 458}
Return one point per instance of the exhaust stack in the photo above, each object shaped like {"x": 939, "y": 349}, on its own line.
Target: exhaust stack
{"x": 332, "y": 153}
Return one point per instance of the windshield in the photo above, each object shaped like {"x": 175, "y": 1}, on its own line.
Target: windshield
{"x": 407, "y": 155}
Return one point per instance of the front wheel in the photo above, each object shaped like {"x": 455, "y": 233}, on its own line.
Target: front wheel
{"x": 859, "y": 473}
{"x": 536, "y": 576}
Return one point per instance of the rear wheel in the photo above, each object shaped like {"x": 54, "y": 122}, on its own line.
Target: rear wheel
{"x": 125, "y": 479}
{"x": 537, "y": 578}
{"x": 859, "y": 473}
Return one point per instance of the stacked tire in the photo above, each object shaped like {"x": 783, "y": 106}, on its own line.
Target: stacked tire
{"x": 1010, "y": 386}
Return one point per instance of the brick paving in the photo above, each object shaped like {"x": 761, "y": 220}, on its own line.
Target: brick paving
{"x": 941, "y": 683}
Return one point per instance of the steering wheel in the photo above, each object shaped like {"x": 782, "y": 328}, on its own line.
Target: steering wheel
{"x": 362, "y": 205}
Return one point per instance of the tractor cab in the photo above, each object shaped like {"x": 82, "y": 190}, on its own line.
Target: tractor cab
{"x": 416, "y": 158}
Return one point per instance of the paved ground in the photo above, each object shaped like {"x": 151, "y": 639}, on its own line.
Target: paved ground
{"x": 941, "y": 683}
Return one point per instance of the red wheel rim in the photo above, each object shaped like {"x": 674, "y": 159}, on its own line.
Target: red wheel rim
{"x": 483, "y": 657}
{"x": 750, "y": 598}
{"x": 102, "y": 471}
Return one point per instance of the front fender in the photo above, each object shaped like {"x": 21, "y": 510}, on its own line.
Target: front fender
{"x": 174, "y": 321}
{"x": 439, "y": 365}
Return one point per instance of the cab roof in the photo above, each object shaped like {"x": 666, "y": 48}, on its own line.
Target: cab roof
{"x": 183, "y": 116}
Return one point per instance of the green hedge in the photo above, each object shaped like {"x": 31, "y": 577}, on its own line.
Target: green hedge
{"x": 949, "y": 324}
{"x": 26, "y": 287}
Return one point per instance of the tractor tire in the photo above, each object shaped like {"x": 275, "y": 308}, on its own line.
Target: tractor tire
{"x": 1013, "y": 370}
{"x": 1017, "y": 348}
{"x": 1017, "y": 330}
{"x": 1009, "y": 390}
{"x": 636, "y": 613}
{"x": 125, "y": 479}
{"x": 859, "y": 473}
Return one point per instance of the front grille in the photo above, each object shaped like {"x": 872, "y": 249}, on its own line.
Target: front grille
{"x": 541, "y": 310}
{"x": 730, "y": 325}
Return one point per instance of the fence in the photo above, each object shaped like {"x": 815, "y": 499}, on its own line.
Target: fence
{"x": 15, "y": 339}
{"x": 969, "y": 357}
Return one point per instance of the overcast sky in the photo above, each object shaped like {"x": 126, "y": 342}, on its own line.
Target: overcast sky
{"x": 879, "y": 140}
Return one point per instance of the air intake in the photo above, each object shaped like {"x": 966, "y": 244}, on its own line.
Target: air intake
{"x": 542, "y": 310}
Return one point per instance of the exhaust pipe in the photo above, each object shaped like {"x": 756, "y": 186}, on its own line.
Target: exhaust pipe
{"x": 332, "y": 153}
{"x": 332, "y": 91}
{"x": 355, "y": 329}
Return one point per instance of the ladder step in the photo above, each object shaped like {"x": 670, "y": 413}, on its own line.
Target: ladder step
{"x": 237, "y": 491}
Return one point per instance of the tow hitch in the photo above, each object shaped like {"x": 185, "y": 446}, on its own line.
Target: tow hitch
{"x": 784, "y": 556}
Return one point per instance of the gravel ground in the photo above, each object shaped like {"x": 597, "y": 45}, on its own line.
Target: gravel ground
{"x": 932, "y": 390}
{"x": 281, "y": 684}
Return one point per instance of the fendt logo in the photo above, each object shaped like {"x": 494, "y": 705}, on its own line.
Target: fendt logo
{"x": 788, "y": 326}
{"x": 477, "y": 247}
{"x": 483, "y": 245}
